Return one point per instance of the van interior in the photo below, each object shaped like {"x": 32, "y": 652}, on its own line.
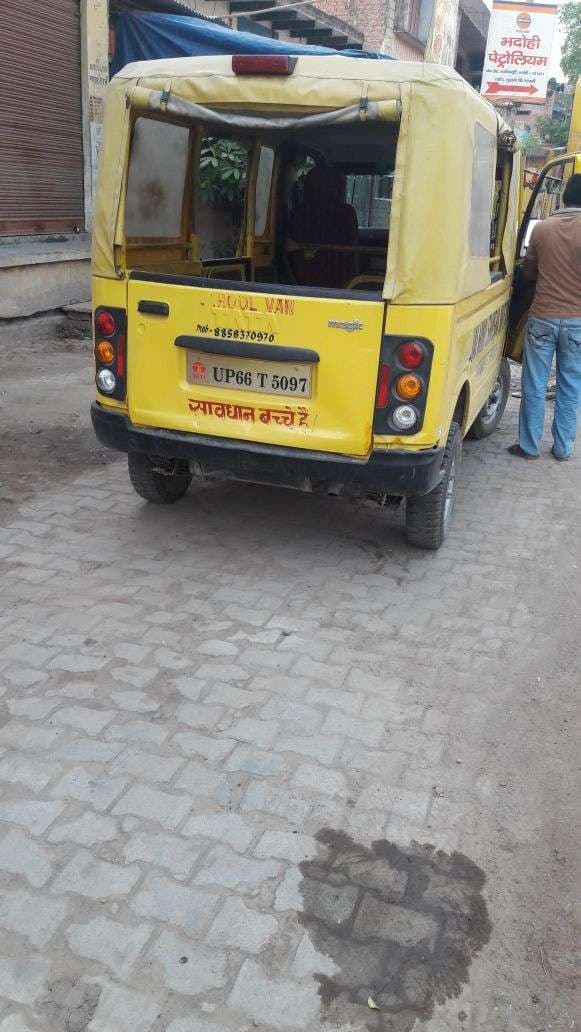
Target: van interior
{"x": 304, "y": 208}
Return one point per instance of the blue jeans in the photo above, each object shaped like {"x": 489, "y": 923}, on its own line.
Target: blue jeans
{"x": 544, "y": 337}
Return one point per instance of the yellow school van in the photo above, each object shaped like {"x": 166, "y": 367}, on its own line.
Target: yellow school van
{"x": 302, "y": 269}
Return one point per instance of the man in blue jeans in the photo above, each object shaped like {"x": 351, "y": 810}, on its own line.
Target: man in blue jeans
{"x": 554, "y": 260}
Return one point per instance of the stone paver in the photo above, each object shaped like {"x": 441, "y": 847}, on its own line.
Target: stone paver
{"x": 190, "y": 696}
{"x": 21, "y": 855}
{"x": 274, "y": 1002}
{"x": 22, "y": 979}
{"x": 240, "y": 927}
{"x": 186, "y": 908}
{"x": 124, "y": 1010}
{"x": 188, "y": 969}
{"x": 88, "y": 876}
{"x": 33, "y": 916}
{"x": 168, "y": 810}
{"x": 168, "y": 851}
{"x": 113, "y": 944}
{"x": 87, "y": 830}
{"x": 98, "y": 790}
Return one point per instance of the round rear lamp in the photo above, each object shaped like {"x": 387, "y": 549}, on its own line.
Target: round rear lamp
{"x": 411, "y": 354}
{"x": 408, "y": 386}
{"x": 106, "y": 381}
{"x": 404, "y": 417}
{"x": 105, "y": 324}
{"x": 104, "y": 352}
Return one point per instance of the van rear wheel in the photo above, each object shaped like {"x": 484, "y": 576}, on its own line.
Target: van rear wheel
{"x": 158, "y": 480}
{"x": 492, "y": 411}
{"x": 428, "y": 517}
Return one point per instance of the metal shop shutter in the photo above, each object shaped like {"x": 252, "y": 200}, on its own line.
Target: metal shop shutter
{"x": 41, "y": 133}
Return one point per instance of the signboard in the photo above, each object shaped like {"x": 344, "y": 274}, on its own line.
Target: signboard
{"x": 443, "y": 35}
{"x": 518, "y": 51}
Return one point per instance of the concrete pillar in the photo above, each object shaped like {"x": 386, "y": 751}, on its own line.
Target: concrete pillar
{"x": 94, "y": 79}
{"x": 443, "y": 35}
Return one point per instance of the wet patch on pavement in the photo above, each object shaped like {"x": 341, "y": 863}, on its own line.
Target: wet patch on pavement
{"x": 69, "y": 1004}
{"x": 401, "y": 926}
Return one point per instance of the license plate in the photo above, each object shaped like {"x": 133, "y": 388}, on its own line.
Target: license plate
{"x": 249, "y": 374}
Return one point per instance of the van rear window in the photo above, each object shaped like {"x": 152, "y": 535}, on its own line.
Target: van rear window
{"x": 301, "y": 207}
{"x": 155, "y": 186}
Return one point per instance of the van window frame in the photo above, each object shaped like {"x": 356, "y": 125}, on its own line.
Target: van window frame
{"x": 261, "y": 229}
{"x": 153, "y": 242}
{"x": 484, "y": 161}
{"x": 186, "y": 241}
{"x": 240, "y": 251}
{"x": 508, "y": 184}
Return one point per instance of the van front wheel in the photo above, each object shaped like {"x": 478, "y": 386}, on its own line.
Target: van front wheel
{"x": 428, "y": 517}
{"x": 492, "y": 411}
{"x": 157, "y": 479}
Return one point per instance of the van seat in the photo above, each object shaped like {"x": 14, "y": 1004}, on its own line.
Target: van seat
{"x": 323, "y": 217}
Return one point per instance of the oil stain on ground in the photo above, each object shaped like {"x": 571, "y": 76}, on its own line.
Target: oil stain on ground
{"x": 401, "y": 925}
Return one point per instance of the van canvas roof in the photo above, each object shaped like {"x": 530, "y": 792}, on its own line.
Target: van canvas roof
{"x": 439, "y": 117}
{"x": 320, "y": 66}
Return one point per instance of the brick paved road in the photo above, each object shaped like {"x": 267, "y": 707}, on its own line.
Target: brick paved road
{"x": 189, "y": 695}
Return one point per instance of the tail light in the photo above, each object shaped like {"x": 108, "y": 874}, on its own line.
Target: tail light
{"x": 411, "y": 354}
{"x": 402, "y": 385}
{"x": 404, "y": 417}
{"x": 104, "y": 352}
{"x": 408, "y": 386}
{"x": 105, "y": 324}
{"x": 110, "y": 326}
{"x": 263, "y": 64}
{"x": 382, "y": 387}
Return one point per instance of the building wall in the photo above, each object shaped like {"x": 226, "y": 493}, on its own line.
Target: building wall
{"x": 403, "y": 50}
{"x": 215, "y": 9}
{"x": 371, "y": 17}
{"x": 390, "y": 27}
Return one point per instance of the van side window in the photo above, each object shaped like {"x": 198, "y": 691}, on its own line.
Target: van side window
{"x": 222, "y": 185}
{"x": 371, "y": 198}
{"x": 550, "y": 196}
{"x": 155, "y": 186}
{"x": 481, "y": 198}
{"x": 263, "y": 185}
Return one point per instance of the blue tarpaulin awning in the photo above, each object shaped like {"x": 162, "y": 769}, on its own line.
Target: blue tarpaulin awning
{"x": 144, "y": 36}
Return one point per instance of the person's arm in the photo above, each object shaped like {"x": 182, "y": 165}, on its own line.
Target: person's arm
{"x": 531, "y": 263}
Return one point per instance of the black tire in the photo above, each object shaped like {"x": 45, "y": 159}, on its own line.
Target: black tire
{"x": 491, "y": 413}
{"x": 428, "y": 517}
{"x": 158, "y": 480}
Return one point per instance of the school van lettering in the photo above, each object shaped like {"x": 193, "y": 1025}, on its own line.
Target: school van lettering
{"x": 487, "y": 330}
{"x": 235, "y": 303}
{"x": 245, "y": 303}
{"x": 279, "y": 305}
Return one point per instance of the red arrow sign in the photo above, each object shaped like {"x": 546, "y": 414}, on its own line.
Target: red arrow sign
{"x": 497, "y": 87}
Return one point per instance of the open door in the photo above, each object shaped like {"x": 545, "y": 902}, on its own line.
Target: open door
{"x": 546, "y": 198}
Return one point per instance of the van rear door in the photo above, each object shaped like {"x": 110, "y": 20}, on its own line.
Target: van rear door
{"x": 286, "y": 368}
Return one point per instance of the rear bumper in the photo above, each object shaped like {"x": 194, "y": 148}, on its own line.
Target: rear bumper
{"x": 397, "y": 472}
